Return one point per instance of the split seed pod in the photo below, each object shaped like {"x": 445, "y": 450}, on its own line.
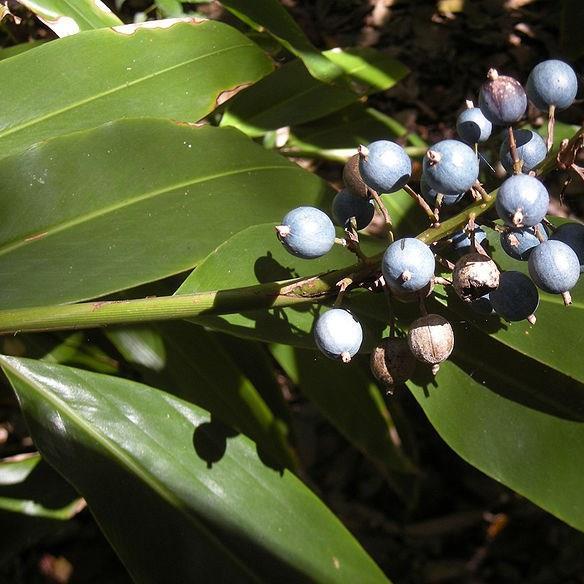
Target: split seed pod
{"x": 474, "y": 276}
{"x": 392, "y": 362}
{"x": 431, "y": 340}
{"x": 352, "y": 178}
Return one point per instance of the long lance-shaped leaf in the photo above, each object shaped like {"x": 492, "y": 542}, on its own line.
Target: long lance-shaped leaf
{"x": 67, "y": 17}
{"x": 133, "y": 201}
{"x": 173, "y": 70}
{"x": 178, "y": 498}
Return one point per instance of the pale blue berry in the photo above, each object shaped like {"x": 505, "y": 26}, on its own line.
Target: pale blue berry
{"x": 552, "y": 82}
{"x": 462, "y": 244}
{"x": 346, "y": 205}
{"x": 572, "y": 234}
{"x": 338, "y": 334}
{"x": 384, "y": 166}
{"x": 516, "y": 298}
{"x": 472, "y": 126}
{"x": 531, "y": 148}
{"x": 430, "y": 195}
{"x": 522, "y": 201}
{"x": 408, "y": 265}
{"x": 518, "y": 243}
{"x": 307, "y": 232}
{"x": 451, "y": 167}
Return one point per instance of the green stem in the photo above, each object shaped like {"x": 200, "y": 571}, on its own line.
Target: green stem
{"x": 271, "y": 295}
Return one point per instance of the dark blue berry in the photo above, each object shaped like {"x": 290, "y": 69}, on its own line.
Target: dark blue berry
{"x": 552, "y": 82}
{"x": 531, "y": 149}
{"x": 338, "y": 334}
{"x": 482, "y": 305}
{"x": 461, "y": 241}
{"x": 502, "y": 99}
{"x": 554, "y": 267}
{"x": 473, "y": 127}
{"x": 572, "y": 234}
{"x": 307, "y": 232}
{"x": 408, "y": 265}
{"x": 430, "y": 195}
{"x": 384, "y": 166}
{"x": 347, "y": 205}
{"x": 516, "y": 297}
{"x": 518, "y": 243}
{"x": 451, "y": 167}
{"x": 522, "y": 201}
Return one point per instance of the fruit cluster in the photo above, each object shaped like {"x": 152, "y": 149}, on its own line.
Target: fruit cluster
{"x": 451, "y": 169}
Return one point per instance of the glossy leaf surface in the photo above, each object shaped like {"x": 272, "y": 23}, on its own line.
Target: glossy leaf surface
{"x": 178, "y": 499}
{"x": 178, "y": 70}
{"x": 131, "y": 202}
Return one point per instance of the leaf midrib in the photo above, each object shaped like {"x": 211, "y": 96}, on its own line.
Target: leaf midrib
{"x": 57, "y": 228}
{"x": 126, "y": 460}
{"x": 121, "y": 87}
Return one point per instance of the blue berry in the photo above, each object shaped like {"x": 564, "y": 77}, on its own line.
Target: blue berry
{"x": 482, "y": 305}
{"x": 338, "y": 334}
{"x": 552, "y": 82}
{"x": 384, "y": 166}
{"x": 451, "y": 167}
{"x": 408, "y": 265}
{"x": 522, "y": 201}
{"x": 461, "y": 241}
{"x": 472, "y": 126}
{"x": 531, "y": 149}
{"x": 518, "y": 243}
{"x": 307, "y": 232}
{"x": 516, "y": 297}
{"x": 347, "y": 205}
{"x": 572, "y": 234}
{"x": 502, "y": 99}
{"x": 429, "y": 195}
{"x": 554, "y": 267}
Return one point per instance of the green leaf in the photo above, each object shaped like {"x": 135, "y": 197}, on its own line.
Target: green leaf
{"x": 131, "y": 202}
{"x": 262, "y": 258}
{"x": 518, "y": 422}
{"x": 17, "y": 49}
{"x": 67, "y": 17}
{"x": 180, "y": 72}
{"x": 170, "y": 8}
{"x": 290, "y": 95}
{"x": 275, "y": 19}
{"x": 178, "y": 499}
{"x": 351, "y": 402}
{"x": 193, "y": 365}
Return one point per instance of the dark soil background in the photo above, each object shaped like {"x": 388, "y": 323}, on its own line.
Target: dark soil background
{"x": 465, "y": 527}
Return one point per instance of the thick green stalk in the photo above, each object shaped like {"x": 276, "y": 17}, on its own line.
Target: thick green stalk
{"x": 270, "y": 295}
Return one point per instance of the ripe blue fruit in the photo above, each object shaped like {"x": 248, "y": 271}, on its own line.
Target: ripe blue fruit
{"x": 461, "y": 241}
{"x": 572, "y": 234}
{"x": 552, "y": 82}
{"x": 307, "y": 232}
{"x": 502, "y": 99}
{"x": 451, "y": 167}
{"x": 347, "y": 205}
{"x": 429, "y": 194}
{"x": 531, "y": 148}
{"x": 408, "y": 265}
{"x": 338, "y": 334}
{"x": 473, "y": 127}
{"x": 516, "y": 297}
{"x": 554, "y": 267}
{"x": 384, "y": 166}
{"x": 518, "y": 243}
{"x": 522, "y": 201}
{"x": 482, "y": 305}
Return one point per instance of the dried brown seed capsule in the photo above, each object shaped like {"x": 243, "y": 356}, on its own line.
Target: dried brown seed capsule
{"x": 405, "y": 296}
{"x": 474, "y": 276}
{"x": 352, "y": 178}
{"x": 392, "y": 362}
{"x": 431, "y": 340}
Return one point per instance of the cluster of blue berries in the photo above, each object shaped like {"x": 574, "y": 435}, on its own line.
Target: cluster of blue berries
{"x": 450, "y": 172}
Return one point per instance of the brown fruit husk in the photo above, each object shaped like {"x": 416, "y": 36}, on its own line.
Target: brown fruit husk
{"x": 431, "y": 339}
{"x": 392, "y": 362}
{"x": 352, "y": 178}
{"x": 474, "y": 276}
